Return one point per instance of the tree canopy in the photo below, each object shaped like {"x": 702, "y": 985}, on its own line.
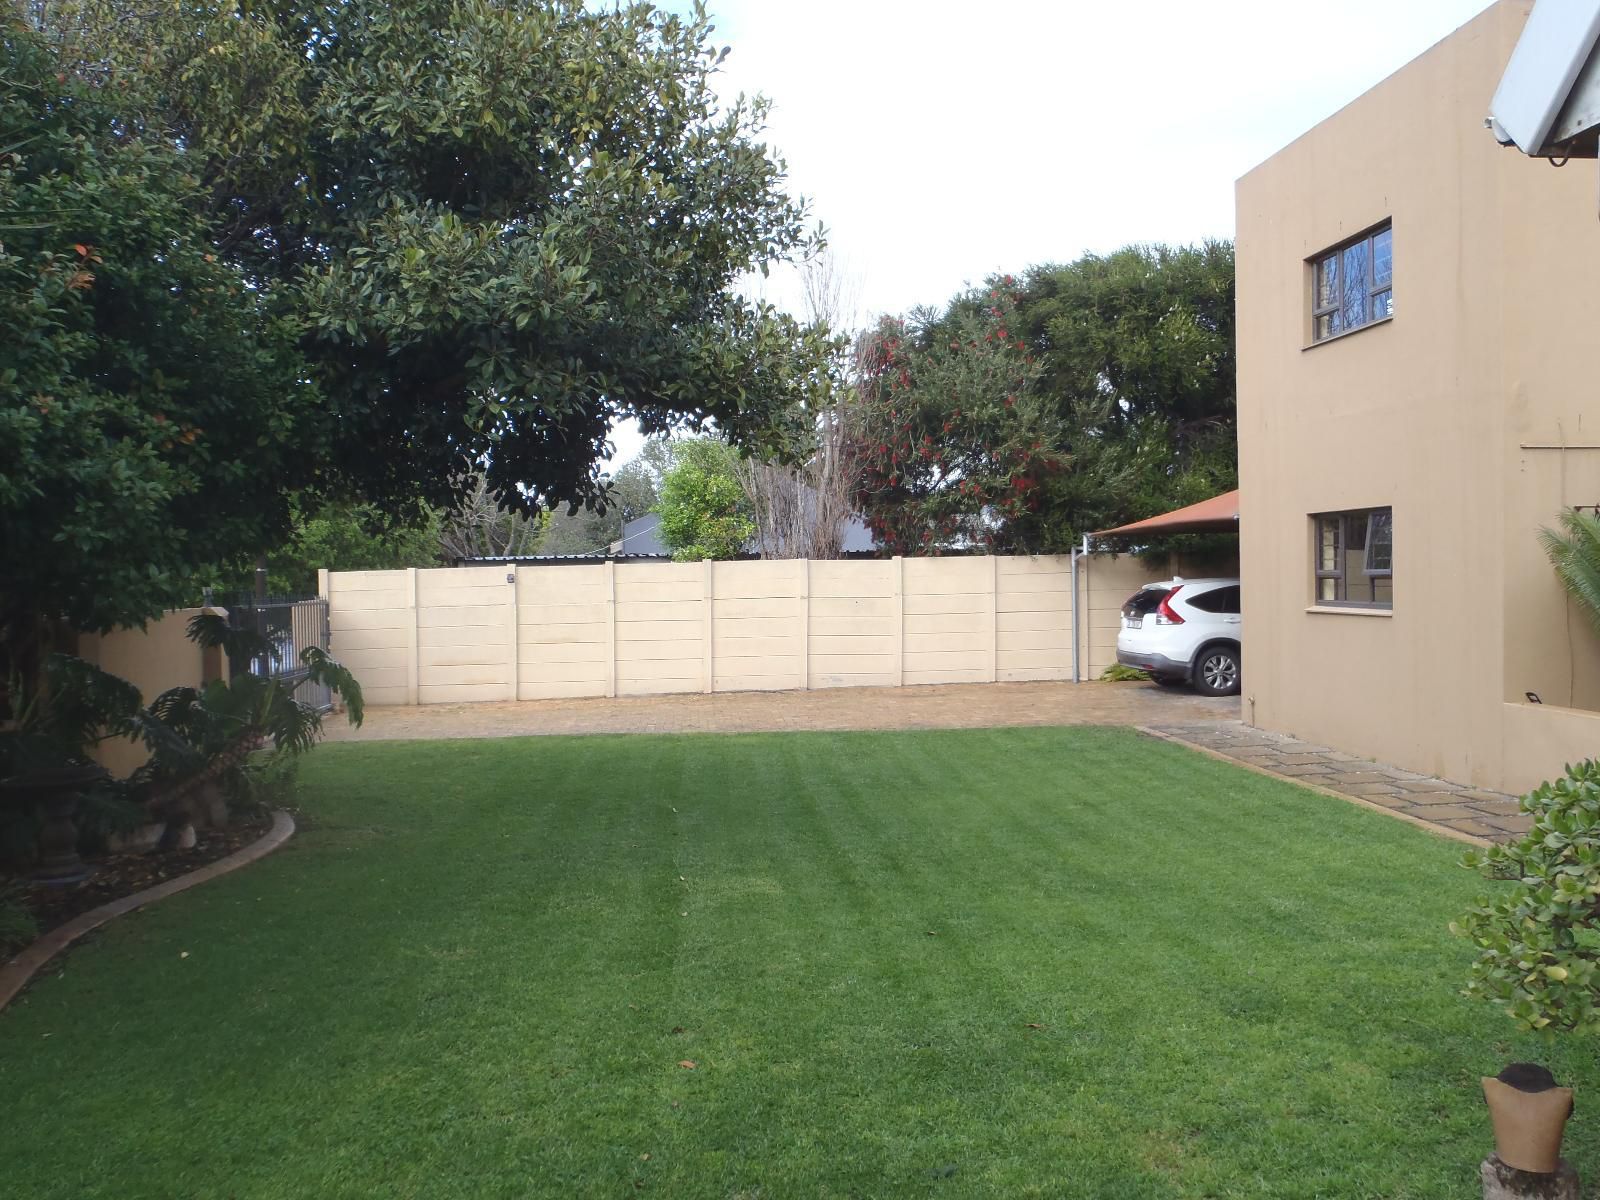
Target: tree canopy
{"x": 1028, "y": 413}
{"x": 1136, "y": 350}
{"x": 149, "y": 401}
{"x": 499, "y": 228}
{"x": 957, "y": 443}
{"x": 703, "y": 509}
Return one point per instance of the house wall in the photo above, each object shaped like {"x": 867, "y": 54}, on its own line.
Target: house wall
{"x": 1436, "y": 412}
{"x": 630, "y": 629}
{"x": 153, "y": 659}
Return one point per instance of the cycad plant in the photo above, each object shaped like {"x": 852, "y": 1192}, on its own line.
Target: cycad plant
{"x": 1574, "y": 551}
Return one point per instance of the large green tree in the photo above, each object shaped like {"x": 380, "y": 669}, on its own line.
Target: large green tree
{"x": 703, "y": 509}
{"x": 150, "y": 405}
{"x": 1136, "y": 350}
{"x": 500, "y": 227}
{"x": 336, "y": 536}
{"x": 1028, "y": 413}
{"x": 632, "y": 492}
{"x": 957, "y": 445}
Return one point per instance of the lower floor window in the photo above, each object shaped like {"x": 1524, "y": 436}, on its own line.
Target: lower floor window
{"x": 1355, "y": 557}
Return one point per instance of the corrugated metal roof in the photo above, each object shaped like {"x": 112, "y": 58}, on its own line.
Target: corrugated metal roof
{"x": 535, "y": 559}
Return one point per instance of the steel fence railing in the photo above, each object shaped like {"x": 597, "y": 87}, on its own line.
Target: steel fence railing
{"x": 288, "y": 627}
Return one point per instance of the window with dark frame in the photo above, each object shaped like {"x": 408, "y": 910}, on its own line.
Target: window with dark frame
{"x": 1354, "y": 558}
{"x": 1353, "y": 284}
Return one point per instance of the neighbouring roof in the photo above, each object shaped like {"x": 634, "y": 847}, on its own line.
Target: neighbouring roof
{"x": 1220, "y": 514}
{"x": 599, "y": 556}
{"x": 642, "y": 535}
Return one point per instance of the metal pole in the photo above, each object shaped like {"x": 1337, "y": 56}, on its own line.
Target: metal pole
{"x": 261, "y": 611}
{"x": 1077, "y": 553}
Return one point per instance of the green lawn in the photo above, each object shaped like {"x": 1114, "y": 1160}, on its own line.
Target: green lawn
{"x": 1065, "y": 963}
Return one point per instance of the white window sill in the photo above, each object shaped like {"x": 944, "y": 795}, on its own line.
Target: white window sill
{"x": 1349, "y": 611}
{"x": 1344, "y": 333}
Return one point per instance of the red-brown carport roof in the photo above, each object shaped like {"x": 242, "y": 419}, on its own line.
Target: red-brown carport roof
{"x": 1220, "y": 514}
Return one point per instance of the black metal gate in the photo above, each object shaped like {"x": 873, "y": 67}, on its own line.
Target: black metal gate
{"x": 288, "y": 626}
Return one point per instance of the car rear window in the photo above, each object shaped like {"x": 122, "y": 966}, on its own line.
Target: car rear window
{"x": 1217, "y": 600}
{"x": 1145, "y": 601}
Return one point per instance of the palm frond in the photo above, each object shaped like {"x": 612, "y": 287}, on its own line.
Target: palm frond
{"x": 240, "y": 645}
{"x": 338, "y": 678}
{"x": 1574, "y": 551}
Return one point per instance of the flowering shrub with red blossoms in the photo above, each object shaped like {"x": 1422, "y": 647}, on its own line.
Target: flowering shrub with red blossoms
{"x": 956, "y": 443}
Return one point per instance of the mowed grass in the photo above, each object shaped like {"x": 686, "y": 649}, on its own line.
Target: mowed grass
{"x": 1043, "y": 962}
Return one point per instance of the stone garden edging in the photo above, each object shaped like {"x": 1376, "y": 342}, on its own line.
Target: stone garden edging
{"x": 15, "y": 974}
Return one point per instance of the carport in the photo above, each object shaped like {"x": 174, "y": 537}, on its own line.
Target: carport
{"x": 1220, "y": 514}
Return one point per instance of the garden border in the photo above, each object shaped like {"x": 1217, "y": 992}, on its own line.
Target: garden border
{"x": 14, "y": 975}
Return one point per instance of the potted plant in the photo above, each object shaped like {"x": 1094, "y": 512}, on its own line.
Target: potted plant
{"x": 1538, "y": 942}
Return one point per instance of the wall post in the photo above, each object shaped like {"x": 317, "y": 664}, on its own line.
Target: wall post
{"x": 899, "y": 570}
{"x": 992, "y": 633}
{"x": 610, "y": 573}
{"x": 805, "y": 624}
{"x": 513, "y": 649}
{"x": 708, "y": 626}
{"x": 413, "y": 663}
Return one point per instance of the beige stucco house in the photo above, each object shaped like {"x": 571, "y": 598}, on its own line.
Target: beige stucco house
{"x": 1419, "y": 392}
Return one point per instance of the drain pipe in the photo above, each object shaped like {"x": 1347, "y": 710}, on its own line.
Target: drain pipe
{"x": 1077, "y": 674}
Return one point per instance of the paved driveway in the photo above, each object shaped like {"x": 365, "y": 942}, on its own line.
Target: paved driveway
{"x": 940, "y": 706}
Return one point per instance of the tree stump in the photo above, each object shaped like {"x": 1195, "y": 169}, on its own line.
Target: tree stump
{"x": 1501, "y": 1182}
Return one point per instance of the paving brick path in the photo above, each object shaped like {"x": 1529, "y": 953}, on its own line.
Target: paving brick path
{"x": 1471, "y": 811}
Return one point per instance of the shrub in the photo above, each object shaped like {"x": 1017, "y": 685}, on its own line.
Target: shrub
{"x": 1538, "y": 940}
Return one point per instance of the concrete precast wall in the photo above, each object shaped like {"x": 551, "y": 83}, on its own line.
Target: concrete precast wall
{"x": 560, "y": 630}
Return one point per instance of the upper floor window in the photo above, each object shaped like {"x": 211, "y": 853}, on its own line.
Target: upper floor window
{"x": 1354, "y": 557}
{"x": 1353, "y": 284}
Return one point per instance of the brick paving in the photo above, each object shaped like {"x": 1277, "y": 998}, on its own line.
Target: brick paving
{"x": 1462, "y": 810}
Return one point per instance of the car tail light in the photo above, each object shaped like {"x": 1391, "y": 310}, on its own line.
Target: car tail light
{"x": 1164, "y": 613}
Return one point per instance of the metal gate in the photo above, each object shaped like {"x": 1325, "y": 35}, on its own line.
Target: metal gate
{"x": 288, "y": 626}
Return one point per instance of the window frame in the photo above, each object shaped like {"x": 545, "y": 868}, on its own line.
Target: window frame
{"x": 1367, "y": 568}
{"x": 1345, "y": 519}
{"x": 1373, "y": 289}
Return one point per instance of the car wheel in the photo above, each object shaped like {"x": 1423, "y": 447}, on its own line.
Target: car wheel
{"x": 1218, "y": 671}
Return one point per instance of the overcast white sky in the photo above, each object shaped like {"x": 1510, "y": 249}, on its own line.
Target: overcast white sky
{"x": 940, "y": 142}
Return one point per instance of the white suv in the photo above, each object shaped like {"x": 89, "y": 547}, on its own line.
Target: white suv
{"x": 1184, "y": 631}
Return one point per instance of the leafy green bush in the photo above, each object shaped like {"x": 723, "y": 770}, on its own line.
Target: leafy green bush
{"x": 265, "y": 780}
{"x": 703, "y": 509}
{"x": 1117, "y": 673}
{"x": 1539, "y": 939}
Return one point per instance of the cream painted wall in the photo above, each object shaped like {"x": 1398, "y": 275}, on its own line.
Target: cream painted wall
{"x": 627, "y": 629}
{"x": 153, "y": 659}
{"x": 1434, "y": 413}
